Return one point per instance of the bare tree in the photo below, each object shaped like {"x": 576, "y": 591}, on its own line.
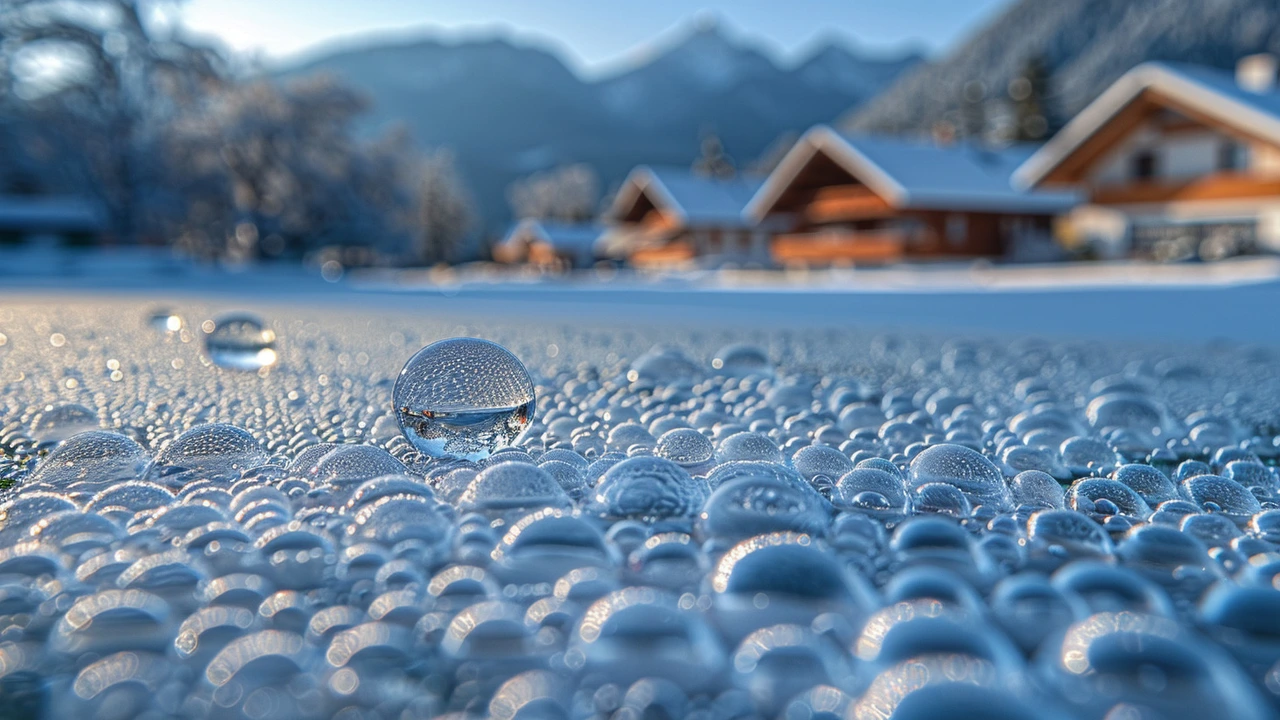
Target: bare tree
{"x": 272, "y": 169}
{"x": 569, "y": 193}
{"x": 126, "y": 82}
{"x": 444, "y": 210}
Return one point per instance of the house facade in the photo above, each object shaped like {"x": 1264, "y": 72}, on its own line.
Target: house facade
{"x": 1172, "y": 161}
{"x": 664, "y": 218}
{"x": 551, "y": 246}
{"x": 848, "y": 199}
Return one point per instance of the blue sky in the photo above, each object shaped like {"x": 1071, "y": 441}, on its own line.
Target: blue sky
{"x": 591, "y": 33}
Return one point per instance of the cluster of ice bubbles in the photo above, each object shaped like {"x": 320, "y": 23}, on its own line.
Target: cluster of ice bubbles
{"x": 962, "y": 530}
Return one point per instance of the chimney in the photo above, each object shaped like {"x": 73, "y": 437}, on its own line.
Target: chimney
{"x": 1257, "y": 73}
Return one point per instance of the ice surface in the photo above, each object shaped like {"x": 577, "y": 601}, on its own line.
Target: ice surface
{"x": 731, "y": 519}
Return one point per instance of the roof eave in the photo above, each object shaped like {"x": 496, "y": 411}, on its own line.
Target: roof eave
{"x": 1148, "y": 76}
{"x": 821, "y": 138}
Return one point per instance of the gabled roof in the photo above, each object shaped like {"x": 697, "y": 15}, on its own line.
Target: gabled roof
{"x": 693, "y": 199}
{"x": 912, "y": 174}
{"x": 574, "y": 238}
{"x": 1209, "y": 92}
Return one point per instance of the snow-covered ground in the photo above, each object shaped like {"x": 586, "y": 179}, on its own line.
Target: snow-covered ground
{"x": 1195, "y": 304}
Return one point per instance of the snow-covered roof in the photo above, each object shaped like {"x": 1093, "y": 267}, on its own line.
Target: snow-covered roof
{"x": 574, "y": 238}
{"x": 694, "y": 199}
{"x": 912, "y": 174}
{"x": 51, "y": 213}
{"x": 1210, "y": 92}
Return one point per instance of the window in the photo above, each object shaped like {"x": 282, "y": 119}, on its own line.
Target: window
{"x": 1144, "y": 165}
{"x": 1231, "y": 156}
{"x": 957, "y": 230}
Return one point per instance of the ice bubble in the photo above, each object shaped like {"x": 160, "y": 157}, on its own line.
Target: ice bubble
{"x": 218, "y": 451}
{"x": 648, "y": 488}
{"x": 112, "y": 621}
{"x": 532, "y": 694}
{"x": 813, "y": 461}
{"x": 963, "y": 468}
{"x": 1036, "y": 489}
{"x": 779, "y": 662}
{"x": 686, "y": 447}
{"x": 463, "y": 398}
{"x": 742, "y": 359}
{"x": 511, "y": 486}
{"x": 94, "y": 458}
{"x": 663, "y": 365}
{"x": 939, "y": 498}
{"x": 1029, "y": 609}
{"x": 1148, "y": 482}
{"x": 348, "y": 464}
{"x": 1065, "y": 534}
{"x": 121, "y": 685}
{"x": 1218, "y": 494}
{"x": 783, "y": 577}
{"x": 868, "y": 488}
{"x": 544, "y": 545}
{"x": 58, "y": 422}
{"x": 640, "y": 632}
{"x": 1114, "y": 658}
{"x": 744, "y": 446}
{"x": 240, "y": 341}
{"x": 747, "y": 507}
{"x": 165, "y": 320}
{"x": 1085, "y": 495}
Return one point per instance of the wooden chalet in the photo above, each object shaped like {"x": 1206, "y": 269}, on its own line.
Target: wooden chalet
{"x": 851, "y": 199}
{"x": 551, "y": 246}
{"x": 1173, "y": 161}
{"x": 670, "y": 218}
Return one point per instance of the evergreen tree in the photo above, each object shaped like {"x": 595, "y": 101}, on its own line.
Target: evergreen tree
{"x": 1030, "y": 93}
{"x": 714, "y": 162}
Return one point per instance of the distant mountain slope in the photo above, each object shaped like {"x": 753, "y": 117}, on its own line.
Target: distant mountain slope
{"x": 509, "y": 110}
{"x": 1087, "y": 44}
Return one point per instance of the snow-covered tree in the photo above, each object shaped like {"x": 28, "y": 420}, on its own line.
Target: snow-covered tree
{"x": 96, "y": 84}
{"x": 443, "y": 210}
{"x": 569, "y": 193}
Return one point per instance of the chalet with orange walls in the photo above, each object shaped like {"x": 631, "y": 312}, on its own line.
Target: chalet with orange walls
{"x": 1173, "y": 160}
{"x": 665, "y": 218}
{"x": 858, "y": 199}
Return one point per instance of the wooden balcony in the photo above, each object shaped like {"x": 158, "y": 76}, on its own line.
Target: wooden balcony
{"x": 672, "y": 254}
{"x": 1218, "y": 186}
{"x": 843, "y": 203}
{"x": 869, "y": 247}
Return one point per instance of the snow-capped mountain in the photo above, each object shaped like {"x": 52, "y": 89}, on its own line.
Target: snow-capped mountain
{"x": 509, "y": 109}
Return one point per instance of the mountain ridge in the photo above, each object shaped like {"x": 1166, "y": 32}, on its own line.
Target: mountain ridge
{"x": 510, "y": 108}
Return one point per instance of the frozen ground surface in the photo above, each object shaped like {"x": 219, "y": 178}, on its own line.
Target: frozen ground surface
{"x": 1193, "y": 304}
{"x": 858, "y": 495}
